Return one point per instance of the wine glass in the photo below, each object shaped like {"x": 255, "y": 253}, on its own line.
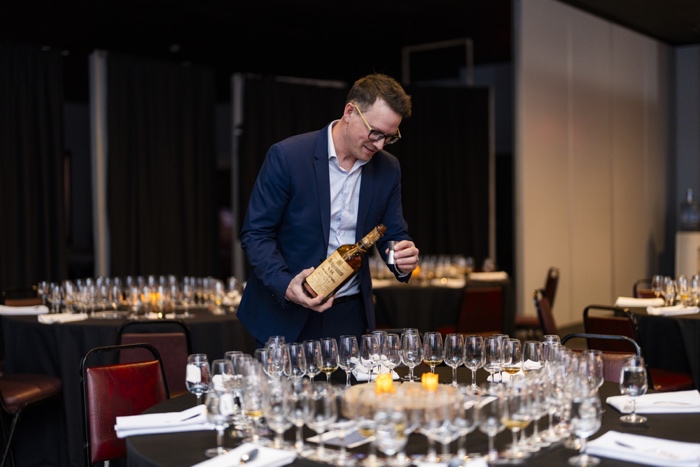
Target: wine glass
{"x": 433, "y": 350}
{"x": 513, "y": 351}
{"x": 55, "y": 297}
{"x": 491, "y": 408}
{"x": 369, "y": 353}
{"x": 297, "y": 360}
{"x": 502, "y": 338}
{"x": 657, "y": 285}
{"x": 492, "y": 356}
{"x": 252, "y": 393}
{"x": 411, "y": 353}
{"x": 221, "y": 375}
{"x": 312, "y": 352}
{"x": 585, "y": 420}
{"x": 198, "y": 375}
{"x": 276, "y": 408}
{"x": 299, "y": 395}
{"x": 466, "y": 419}
{"x": 220, "y": 409}
{"x": 669, "y": 291}
{"x": 532, "y": 358}
{"x": 322, "y": 412}
{"x": 348, "y": 355}
{"x": 474, "y": 355}
{"x": 454, "y": 353}
{"x": 592, "y": 365}
{"x": 344, "y": 424}
{"x": 516, "y": 415}
{"x": 277, "y": 359}
{"x": 390, "y": 351}
{"x": 329, "y": 356}
{"x": 390, "y": 424}
{"x": 633, "y": 382}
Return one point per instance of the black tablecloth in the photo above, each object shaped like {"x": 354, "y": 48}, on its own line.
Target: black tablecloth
{"x": 431, "y": 308}
{"x": 670, "y": 342}
{"x": 185, "y": 449}
{"x": 53, "y": 433}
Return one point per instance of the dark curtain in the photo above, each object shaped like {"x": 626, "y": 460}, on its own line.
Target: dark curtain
{"x": 444, "y": 155}
{"x": 162, "y": 168}
{"x": 32, "y": 226}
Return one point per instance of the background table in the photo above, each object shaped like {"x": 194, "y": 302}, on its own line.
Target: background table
{"x": 670, "y": 342}
{"x": 185, "y": 449}
{"x": 57, "y": 349}
{"x": 433, "y": 307}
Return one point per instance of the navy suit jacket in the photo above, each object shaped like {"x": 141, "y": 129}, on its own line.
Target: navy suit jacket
{"x": 287, "y": 226}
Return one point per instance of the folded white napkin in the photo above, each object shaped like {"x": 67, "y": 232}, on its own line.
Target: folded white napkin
{"x": 23, "y": 310}
{"x": 352, "y": 439}
{"x": 360, "y": 373}
{"x": 660, "y": 402}
{"x": 488, "y": 276}
{"x": 379, "y": 283}
{"x": 672, "y": 310}
{"x": 61, "y": 318}
{"x": 506, "y": 377}
{"x": 267, "y": 457}
{"x": 478, "y": 462}
{"x": 638, "y": 302}
{"x": 645, "y": 450}
{"x": 193, "y": 419}
{"x": 448, "y": 282}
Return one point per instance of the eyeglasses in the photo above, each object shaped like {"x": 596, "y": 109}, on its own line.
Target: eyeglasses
{"x": 375, "y": 135}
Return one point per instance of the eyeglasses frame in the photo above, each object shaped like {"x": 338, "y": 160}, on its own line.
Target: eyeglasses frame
{"x": 381, "y": 135}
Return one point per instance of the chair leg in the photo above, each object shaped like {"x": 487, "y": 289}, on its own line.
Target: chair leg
{"x": 8, "y": 445}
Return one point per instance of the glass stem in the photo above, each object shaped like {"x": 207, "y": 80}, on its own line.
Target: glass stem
{"x": 347, "y": 378}
{"x": 454, "y": 376}
{"x": 220, "y": 440}
{"x": 299, "y": 444}
{"x": 473, "y": 377}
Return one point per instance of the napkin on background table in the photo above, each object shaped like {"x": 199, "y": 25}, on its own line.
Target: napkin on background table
{"x": 192, "y": 419}
{"x": 645, "y": 450}
{"x": 638, "y": 302}
{"x": 488, "y": 276}
{"x": 23, "y": 310}
{"x": 360, "y": 373}
{"x": 267, "y": 457}
{"x": 448, "y": 282}
{"x": 659, "y": 402}
{"x": 61, "y": 318}
{"x": 672, "y": 310}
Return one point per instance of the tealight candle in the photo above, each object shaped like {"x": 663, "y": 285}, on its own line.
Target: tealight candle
{"x": 429, "y": 381}
{"x": 384, "y": 384}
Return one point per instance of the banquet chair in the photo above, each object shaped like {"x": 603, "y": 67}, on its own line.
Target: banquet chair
{"x": 170, "y": 337}
{"x": 612, "y": 361}
{"x": 544, "y": 312}
{"x": 114, "y": 390}
{"x": 604, "y": 319}
{"x": 533, "y": 324}
{"x": 481, "y": 311}
{"x": 642, "y": 289}
{"x": 19, "y": 392}
{"x": 21, "y": 296}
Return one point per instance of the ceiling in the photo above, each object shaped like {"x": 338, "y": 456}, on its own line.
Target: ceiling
{"x": 310, "y": 38}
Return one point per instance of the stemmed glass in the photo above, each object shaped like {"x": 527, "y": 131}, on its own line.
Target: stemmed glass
{"x": 253, "y": 387}
{"x": 297, "y": 360}
{"x": 276, "y": 409}
{"x": 221, "y": 375}
{"x": 491, "y": 408}
{"x": 466, "y": 418}
{"x": 669, "y": 291}
{"x": 390, "y": 352}
{"x": 411, "y": 353}
{"x": 454, "y": 353}
{"x": 514, "y": 357}
{"x": 369, "y": 354}
{"x": 492, "y": 356}
{"x": 586, "y": 420}
{"x": 344, "y": 424}
{"x": 591, "y": 363}
{"x": 348, "y": 355}
{"x": 55, "y": 297}
{"x": 503, "y": 339}
{"x": 390, "y": 427}
{"x": 657, "y": 285}
{"x": 322, "y": 412}
{"x": 277, "y": 359}
{"x": 633, "y": 382}
{"x": 516, "y": 415}
{"x": 474, "y": 355}
{"x": 312, "y": 351}
{"x": 433, "y": 350}
{"x": 329, "y": 356}
{"x": 532, "y": 358}
{"x": 198, "y": 375}
{"x": 299, "y": 395}
{"x": 220, "y": 410}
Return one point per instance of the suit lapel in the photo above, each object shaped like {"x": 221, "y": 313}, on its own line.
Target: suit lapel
{"x": 366, "y": 194}
{"x": 323, "y": 183}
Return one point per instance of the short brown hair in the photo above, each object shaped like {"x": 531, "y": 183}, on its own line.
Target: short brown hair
{"x": 368, "y": 89}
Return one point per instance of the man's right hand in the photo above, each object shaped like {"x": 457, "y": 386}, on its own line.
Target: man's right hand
{"x": 295, "y": 294}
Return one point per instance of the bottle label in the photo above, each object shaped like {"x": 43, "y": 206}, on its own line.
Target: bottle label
{"x": 329, "y": 275}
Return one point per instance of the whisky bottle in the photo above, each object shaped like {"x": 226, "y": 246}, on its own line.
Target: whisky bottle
{"x": 340, "y": 266}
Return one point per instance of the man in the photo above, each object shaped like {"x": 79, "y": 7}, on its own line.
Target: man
{"x": 315, "y": 192}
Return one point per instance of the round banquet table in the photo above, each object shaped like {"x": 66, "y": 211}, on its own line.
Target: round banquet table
{"x": 52, "y": 434}
{"x": 186, "y": 449}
